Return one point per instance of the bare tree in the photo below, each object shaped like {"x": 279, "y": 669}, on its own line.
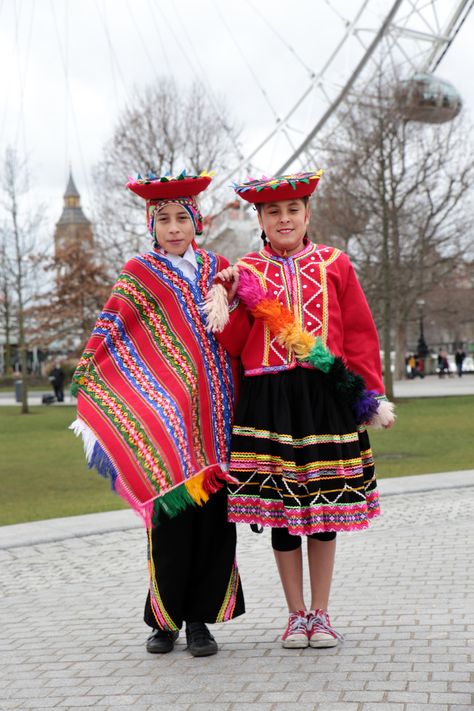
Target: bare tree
{"x": 6, "y": 303}
{"x": 165, "y": 129}
{"x": 65, "y": 314}
{"x": 20, "y": 228}
{"x": 395, "y": 197}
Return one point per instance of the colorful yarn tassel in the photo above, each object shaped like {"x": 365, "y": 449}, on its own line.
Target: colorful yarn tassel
{"x": 289, "y": 333}
{"x": 250, "y": 290}
{"x": 320, "y": 356}
{"x": 172, "y": 503}
{"x": 366, "y": 406}
{"x": 98, "y": 459}
{"x": 216, "y": 308}
{"x": 101, "y": 462}
{"x": 194, "y": 491}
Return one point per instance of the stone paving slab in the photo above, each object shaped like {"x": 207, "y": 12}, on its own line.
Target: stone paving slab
{"x": 72, "y": 635}
{"x": 58, "y": 529}
{"x": 434, "y": 386}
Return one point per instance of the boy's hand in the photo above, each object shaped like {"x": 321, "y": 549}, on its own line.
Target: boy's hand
{"x": 229, "y": 278}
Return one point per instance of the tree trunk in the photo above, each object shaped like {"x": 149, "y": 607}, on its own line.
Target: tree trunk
{"x": 386, "y": 268}
{"x": 400, "y": 346}
{"x": 23, "y": 348}
{"x": 8, "y": 356}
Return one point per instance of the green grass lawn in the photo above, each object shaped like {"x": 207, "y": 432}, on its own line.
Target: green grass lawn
{"x": 430, "y": 435}
{"x": 10, "y": 389}
{"x": 43, "y": 472}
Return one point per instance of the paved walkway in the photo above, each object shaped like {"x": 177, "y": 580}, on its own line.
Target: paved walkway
{"x": 431, "y": 386}
{"x": 72, "y": 636}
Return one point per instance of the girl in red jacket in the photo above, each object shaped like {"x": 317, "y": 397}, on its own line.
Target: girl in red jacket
{"x": 296, "y": 315}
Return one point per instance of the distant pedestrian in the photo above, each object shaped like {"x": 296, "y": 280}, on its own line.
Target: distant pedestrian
{"x": 56, "y": 378}
{"x": 420, "y": 367}
{"x": 459, "y": 357}
{"x": 443, "y": 365}
{"x": 411, "y": 365}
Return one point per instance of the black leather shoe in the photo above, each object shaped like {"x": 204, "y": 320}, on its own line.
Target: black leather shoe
{"x": 161, "y": 641}
{"x": 200, "y": 641}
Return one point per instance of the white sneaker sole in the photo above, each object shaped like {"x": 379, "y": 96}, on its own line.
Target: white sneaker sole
{"x": 323, "y": 641}
{"x": 295, "y": 642}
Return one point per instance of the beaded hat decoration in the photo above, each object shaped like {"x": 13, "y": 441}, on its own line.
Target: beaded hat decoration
{"x": 281, "y": 187}
{"x": 159, "y": 191}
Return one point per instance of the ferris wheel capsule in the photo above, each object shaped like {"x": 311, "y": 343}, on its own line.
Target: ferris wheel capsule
{"x": 427, "y": 99}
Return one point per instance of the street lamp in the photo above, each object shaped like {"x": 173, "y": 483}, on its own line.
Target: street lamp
{"x": 423, "y": 350}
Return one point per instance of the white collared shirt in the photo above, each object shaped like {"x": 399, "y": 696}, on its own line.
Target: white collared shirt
{"x": 187, "y": 263}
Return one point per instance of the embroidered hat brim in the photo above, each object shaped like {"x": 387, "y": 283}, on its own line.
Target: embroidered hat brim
{"x": 169, "y": 188}
{"x": 282, "y": 187}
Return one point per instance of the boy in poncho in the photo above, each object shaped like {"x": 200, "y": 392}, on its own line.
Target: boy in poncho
{"x": 155, "y": 398}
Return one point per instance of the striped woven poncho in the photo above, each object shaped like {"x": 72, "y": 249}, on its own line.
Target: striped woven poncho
{"x": 155, "y": 389}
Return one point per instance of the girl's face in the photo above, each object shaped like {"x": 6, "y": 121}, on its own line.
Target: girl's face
{"x": 284, "y": 223}
{"x": 174, "y": 230}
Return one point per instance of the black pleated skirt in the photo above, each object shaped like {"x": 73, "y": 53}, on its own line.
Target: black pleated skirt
{"x": 299, "y": 459}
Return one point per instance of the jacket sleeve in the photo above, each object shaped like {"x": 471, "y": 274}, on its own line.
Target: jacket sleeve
{"x": 361, "y": 347}
{"x": 235, "y": 334}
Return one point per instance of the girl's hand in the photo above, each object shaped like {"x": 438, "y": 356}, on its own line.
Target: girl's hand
{"x": 229, "y": 278}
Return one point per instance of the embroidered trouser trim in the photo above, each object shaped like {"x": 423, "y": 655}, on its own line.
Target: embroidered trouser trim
{"x": 193, "y": 572}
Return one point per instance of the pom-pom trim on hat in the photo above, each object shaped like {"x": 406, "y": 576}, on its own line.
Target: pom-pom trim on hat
{"x": 281, "y": 187}
{"x": 166, "y": 187}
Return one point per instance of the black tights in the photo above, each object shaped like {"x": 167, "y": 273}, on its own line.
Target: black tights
{"x": 282, "y": 540}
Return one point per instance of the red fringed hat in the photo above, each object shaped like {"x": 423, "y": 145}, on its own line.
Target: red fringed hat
{"x": 166, "y": 187}
{"x": 161, "y": 190}
{"x": 281, "y": 187}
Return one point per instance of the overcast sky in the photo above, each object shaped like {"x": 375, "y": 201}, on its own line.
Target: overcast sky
{"x": 70, "y": 66}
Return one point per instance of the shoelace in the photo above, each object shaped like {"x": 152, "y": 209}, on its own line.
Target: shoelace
{"x": 320, "y": 619}
{"x": 297, "y": 623}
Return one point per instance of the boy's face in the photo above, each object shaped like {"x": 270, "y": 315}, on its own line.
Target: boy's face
{"x": 174, "y": 230}
{"x": 284, "y": 223}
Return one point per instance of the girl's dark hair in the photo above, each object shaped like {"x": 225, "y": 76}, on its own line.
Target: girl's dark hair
{"x": 259, "y": 205}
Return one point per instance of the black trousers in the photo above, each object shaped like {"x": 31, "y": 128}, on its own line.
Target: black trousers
{"x": 59, "y": 392}
{"x": 193, "y": 572}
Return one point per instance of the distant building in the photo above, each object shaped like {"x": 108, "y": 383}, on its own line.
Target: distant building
{"x": 74, "y": 252}
{"x": 232, "y": 232}
{"x": 72, "y": 229}
{"x": 73, "y": 226}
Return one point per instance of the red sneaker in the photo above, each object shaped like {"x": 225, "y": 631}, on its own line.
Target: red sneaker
{"x": 296, "y": 633}
{"x": 320, "y": 632}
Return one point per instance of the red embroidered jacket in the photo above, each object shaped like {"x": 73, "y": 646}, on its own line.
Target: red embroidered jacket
{"x": 320, "y": 286}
